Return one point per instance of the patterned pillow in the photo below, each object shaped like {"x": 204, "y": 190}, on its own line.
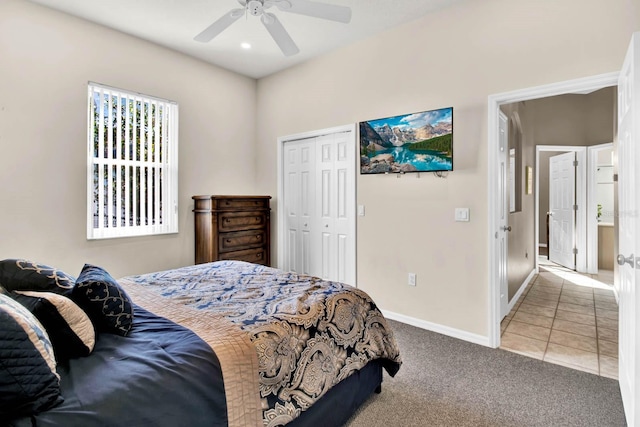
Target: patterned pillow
{"x": 69, "y": 328}
{"x": 29, "y": 382}
{"x": 24, "y": 275}
{"x": 106, "y": 303}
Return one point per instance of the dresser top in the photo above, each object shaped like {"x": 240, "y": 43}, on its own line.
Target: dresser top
{"x": 229, "y": 197}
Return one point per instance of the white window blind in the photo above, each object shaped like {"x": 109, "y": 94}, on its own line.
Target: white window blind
{"x": 132, "y": 173}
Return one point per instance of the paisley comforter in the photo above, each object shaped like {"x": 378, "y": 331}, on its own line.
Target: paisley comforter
{"x": 301, "y": 335}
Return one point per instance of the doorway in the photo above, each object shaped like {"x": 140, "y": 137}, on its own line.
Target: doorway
{"x": 543, "y": 184}
{"x": 494, "y": 103}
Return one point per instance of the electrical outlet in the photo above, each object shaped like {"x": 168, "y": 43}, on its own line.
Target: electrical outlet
{"x": 412, "y": 279}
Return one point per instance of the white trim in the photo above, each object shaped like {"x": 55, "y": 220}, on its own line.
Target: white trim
{"x": 493, "y": 104}
{"x": 440, "y": 329}
{"x": 581, "y": 201}
{"x": 522, "y": 288}
{"x": 280, "y": 202}
{"x": 592, "y": 209}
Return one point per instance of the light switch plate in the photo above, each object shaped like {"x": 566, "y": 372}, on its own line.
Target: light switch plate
{"x": 360, "y": 210}
{"x": 462, "y": 214}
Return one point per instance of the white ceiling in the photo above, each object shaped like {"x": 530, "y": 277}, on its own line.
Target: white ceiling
{"x": 174, "y": 24}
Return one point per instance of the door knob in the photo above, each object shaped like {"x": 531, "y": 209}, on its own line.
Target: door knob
{"x": 326, "y": 226}
{"x": 629, "y": 260}
{"x": 506, "y": 228}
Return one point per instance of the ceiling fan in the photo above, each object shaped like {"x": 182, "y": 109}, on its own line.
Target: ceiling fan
{"x": 271, "y": 21}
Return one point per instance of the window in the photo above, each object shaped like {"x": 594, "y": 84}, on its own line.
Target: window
{"x": 132, "y": 173}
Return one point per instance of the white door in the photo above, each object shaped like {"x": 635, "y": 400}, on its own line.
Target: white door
{"x": 335, "y": 201}
{"x": 299, "y": 177}
{"x": 562, "y": 200}
{"x": 316, "y": 198}
{"x": 503, "y": 225}
{"x": 629, "y": 224}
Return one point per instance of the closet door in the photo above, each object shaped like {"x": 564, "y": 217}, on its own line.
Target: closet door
{"x": 299, "y": 177}
{"x": 335, "y": 201}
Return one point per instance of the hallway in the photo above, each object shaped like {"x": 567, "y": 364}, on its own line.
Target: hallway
{"x": 566, "y": 318}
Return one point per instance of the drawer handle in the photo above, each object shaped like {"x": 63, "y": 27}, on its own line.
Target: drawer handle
{"x": 258, "y": 256}
{"x": 227, "y": 220}
{"x": 228, "y": 240}
{"x": 257, "y": 237}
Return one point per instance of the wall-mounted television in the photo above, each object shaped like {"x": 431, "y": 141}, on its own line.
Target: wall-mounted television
{"x": 418, "y": 142}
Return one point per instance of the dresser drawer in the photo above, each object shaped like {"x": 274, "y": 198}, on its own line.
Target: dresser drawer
{"x": 257, "y": 256}
{"x": 233, "y": 227}
{"x": 237, "y": 240}
{"x": 235, "y": 204}
{"x": 236, "y": 221}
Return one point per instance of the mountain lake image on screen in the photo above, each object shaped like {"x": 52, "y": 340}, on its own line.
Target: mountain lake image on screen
{"x": 418, "y": 142}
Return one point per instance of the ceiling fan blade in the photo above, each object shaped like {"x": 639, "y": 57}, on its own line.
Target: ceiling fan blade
{"x": 331, "y": 12}
{"x": 219, "y": 26}
{"x": 279, "y": 34}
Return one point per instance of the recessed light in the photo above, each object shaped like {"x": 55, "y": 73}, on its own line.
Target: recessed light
{"x": 245, "y": 45}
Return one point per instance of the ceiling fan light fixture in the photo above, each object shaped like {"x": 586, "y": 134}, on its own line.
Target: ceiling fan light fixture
{"x": 255, "y": 7}
{"x": 245, "y": 45}
{"x": 271, "y": 22}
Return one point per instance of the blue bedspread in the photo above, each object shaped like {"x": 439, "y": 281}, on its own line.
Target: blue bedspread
{"x": 162, "y": 374}
{"x": 308, "y": 334}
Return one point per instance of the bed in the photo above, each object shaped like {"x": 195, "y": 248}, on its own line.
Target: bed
{"x": 226, "y": 343}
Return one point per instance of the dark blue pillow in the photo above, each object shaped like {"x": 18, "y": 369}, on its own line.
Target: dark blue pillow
{"x": 25, "y": 275}
{"x": 29, "y": 382}
{"x": 101, "y": 297}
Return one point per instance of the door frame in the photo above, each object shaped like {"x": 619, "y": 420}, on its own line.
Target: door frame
{"x": 592, "y": 209}
{"x": 493, "y": 107}
{"x": 503, "y": 183}
{"x": 581, "y": 201}
{"x": 280, "y": 201}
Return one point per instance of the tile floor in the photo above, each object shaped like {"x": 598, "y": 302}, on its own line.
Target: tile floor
{"x": 566, "y": 318}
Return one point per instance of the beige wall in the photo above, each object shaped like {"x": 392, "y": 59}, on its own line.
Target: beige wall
{"x": 456, "y": 57}
{"x": 46, "y": 59}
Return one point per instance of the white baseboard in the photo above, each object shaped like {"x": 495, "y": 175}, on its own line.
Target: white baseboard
{"x": 434, "y": 327}
{"x": 518, "y": 294}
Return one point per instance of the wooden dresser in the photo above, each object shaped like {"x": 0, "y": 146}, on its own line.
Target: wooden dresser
{"x": 232, "y": 227}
